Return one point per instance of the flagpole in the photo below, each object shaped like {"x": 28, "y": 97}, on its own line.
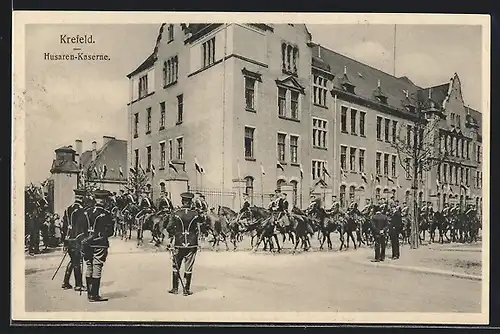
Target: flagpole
{"x": 261, "y": 189}
{"x": 394, "y": 69}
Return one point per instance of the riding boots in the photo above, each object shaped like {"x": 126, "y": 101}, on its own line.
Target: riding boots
{"x": 89, "y": 288}
{"x": 67, "y": 275}
{"x": 187, "y": 285}
{"x": 96, "y": 283}
{"x": 78, "y": 280}
{"x": 175, "y": 283}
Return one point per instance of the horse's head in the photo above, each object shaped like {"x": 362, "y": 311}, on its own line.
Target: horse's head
{"x": 258, "y": 212}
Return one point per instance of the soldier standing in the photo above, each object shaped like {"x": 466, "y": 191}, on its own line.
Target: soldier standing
{"x": 184, "y": 226}
{"x": 74, "y": 230}
{"x": 394, "y": 231}
{"x": 380, "y": 225}
{"x": 96, "y": 244}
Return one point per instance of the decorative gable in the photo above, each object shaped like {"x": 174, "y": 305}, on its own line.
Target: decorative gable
{"x": 291, "y": 82}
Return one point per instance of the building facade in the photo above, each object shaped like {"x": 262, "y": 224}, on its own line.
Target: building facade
{"x": 260, "y": 107}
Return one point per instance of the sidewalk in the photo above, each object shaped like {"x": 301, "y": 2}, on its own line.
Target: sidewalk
{"x": 432, "y": 259}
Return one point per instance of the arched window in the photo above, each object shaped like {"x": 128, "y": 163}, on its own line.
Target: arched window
{"x": 420, "y": 198}
{"x": 352, "y": 194}
{"x": 438, "y": 201}
{"x": 407, "y": 197}
{"x": 249, "y": 187}
{"x": 279, "y": 183}
{"x": 342, "y": 195}
{"x": 294, "y": 192}
{"x": 377, "y": 195}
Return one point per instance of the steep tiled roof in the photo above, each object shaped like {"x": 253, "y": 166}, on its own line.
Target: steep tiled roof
{"x": 113, "y": 154}
{"x": 150, "y": 60}
{"x": 64, "y": 166}
{"x": 365, "y": 78}
{"x": 437, "y": 95}
{"x": 474, "y": 116}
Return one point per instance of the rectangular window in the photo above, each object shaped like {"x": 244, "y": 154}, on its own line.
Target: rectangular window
{"x": 170, "y": 149}
{"x": 281, "y": 102}
{"x": 136, "y": 158}
{"x": 148, "y": 155}
{"x": 386, "y": 129}
{"x": 478, "y": 153}
{"x": 250, "y": 93}
{"x": 386, "y": 164}
{"x": 294, "y": 149}
{"x": 377, "y": 163}
{"x": 249, "y": 133}
{"x": 319, "y": 90}
{"x": 393, "y": 165}
{"x": 467, "y": 150}
{"x": 136, "y": 125}
{"x": 343, "y": 119}
{"x": 170, "y": 33}
{"x": 394, "y": 130}
{"x": 458, "y": 121}
{"x": 362, "y": 123}
{"x": 317, "y": 169}
{"x": 379, "y": 128}
{"x": 294, "y": 105}
{"x": 353, "y": 121}
{"x": 320, "y": 129}
{"x": 180, "y": 148}
{"x": 461, "y": 175}
{"x": 408, "y": 168}
{"x": 450, "y": 169}
{"x": 452, "y": 119}
{"x": 467, "y": 176}
{"x": 208, "y": 52}
{"x": 281, "y": 147}
{"x": 457, "y": 180}
{"x": 289, "y": 58}
{"x": 162, "y": 155}
{"x": 343, "y": 157}
{"x": 170, "y": 71}
{"x": 352, "y": 159}
{"x": 162, "y": 115}
{"x": 148, "y": 120}
{"x": 438, "y": 172}
{"x": 478, "y": 179}
{"x": 445, "y": 173}
{"x": 180, "y": 108}
{"x": 361, "y": 160}
{"x": 143, "y": 86}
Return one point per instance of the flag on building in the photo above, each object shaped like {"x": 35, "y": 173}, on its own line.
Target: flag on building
{"x": 153, "y": 170}
{"x": 389, "y": 179}
{"x": 142, "y": 169}
{"x": 301, "y": 171}
{"x": 104, "y": 170}
{"x": 325, "y": 170}
{"x": 132, "y": 170}
{"x": 171, "y": 165}
{"x": 262, "y": 169}
{"x": 377, "y": 178}
{"x": 280, "y": 166}
{"x": 438, "y": 184}
{"x": 121, "y": 171}
{"x": 238, "y": 170}
{"x": 363, "y": 176}
{"x": 342, "y": 172}
{"x": 197, "y": 166}
{"x": 96, "y": 172}
{"x": 451, "y": 189}
{"x": 372, "y": 178}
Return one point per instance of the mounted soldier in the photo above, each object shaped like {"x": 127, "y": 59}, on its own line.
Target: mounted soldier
{"x": 164, "y": 203}
{"x": 367, "y": 209}
{"x": 283, "y": 206}
{"x": 96, "y": 244}
{"x": 405, "y": 210}
{"x": 315, "y": 204}
{"x": 184, "y": 226}
{"x": 245, "y": 208}
{"x": 146, "y": 207}
{"x": 74, "y": 230}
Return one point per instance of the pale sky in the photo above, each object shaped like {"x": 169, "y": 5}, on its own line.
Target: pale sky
{"x": 68, "y": 100}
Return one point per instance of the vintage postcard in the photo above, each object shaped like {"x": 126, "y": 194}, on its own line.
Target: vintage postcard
{"x": 251, "y": 167}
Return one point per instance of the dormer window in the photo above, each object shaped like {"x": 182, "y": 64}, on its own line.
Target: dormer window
{"x": 289, "y": 58}
{"x": 346, "y": 83}
{"x": 379, "y": 95}
{"x": 170, "y": 33}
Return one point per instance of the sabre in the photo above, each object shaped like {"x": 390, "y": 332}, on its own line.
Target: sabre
{"x": 60, "y": 264}
{"x": 177, "y": 267}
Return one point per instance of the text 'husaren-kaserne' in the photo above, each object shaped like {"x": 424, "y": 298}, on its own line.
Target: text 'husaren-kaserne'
{"x": 76, "y": 56}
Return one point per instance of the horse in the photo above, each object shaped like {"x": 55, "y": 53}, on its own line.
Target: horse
{"x": 265, "y": 228}
{"x": 218, "y": 225}
{"x": 236, "y": 229}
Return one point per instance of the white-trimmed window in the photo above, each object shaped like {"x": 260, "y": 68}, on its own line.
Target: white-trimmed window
{"x": 149, "y": 158}
{"x": 362, "y": 120}
{"x": 379, "y": 128}
{"x": 294, "y": 149}
{"x": 386, "y": 164}
{"x": 281, "y": 102}
{"x": 170, "y": 149}
{"x": 281, "y": 147}
{"x": 352, "y": 159}
{"x": 289, "y": 58}
{"x": 170, "y": 71}
{"x": 143, "y": 86}
{"x": 343, "y": 119}
{"x": 294, "y": 104}
{"x": 320, "y": 130}
{"x": 378, "y": 162}
{"x": 162, "y": 115}
{"x": 361, "y": 160}
{"x": 387, "y": 124}
{"x": 317, "y": 169}
{"x": 250, "y": 85}
{"x": 208, "y": 48}
{"x": 136, "y": 125}
{"x": 343, "y": 157}
{"x": 249, "y": 142}
{"x": 162, "y": 155}
{"x": 319, "y": 90}
{"x": 393, "y": 165}
{"x": 354, "y": 114}
{"x": 180, "y": 148}
{"x": 148, "y": 120}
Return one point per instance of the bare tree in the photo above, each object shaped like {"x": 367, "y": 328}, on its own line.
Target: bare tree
{"x": 420, "y": 149}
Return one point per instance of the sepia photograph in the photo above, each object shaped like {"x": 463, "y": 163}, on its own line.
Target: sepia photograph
{"x": 314, "y": 168}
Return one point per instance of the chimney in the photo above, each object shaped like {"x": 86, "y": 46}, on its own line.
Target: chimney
{"x": 319, "y": 51}
{"x": 78, "y": 149}
{"x": 106, "y": 139}
{"x": 94, "y": 150}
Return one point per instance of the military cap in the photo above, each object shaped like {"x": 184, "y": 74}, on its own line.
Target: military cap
{"x": 79, "y": 192}
{"x": 202, "y": 196}
{"x": 187, "y": 195}
{"x": 102, "y": 194}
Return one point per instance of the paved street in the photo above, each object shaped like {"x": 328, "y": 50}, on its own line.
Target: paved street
{"x": 137, "y": 279}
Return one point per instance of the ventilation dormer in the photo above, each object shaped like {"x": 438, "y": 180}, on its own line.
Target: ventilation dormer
{"x": 347, "y": 85}
{"x": 407, "y": 103}
{"x": 379, "y": 94}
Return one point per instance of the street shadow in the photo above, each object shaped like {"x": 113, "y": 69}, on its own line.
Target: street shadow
{"x": 32, "y": 271}
{"x": 120, "y": 294}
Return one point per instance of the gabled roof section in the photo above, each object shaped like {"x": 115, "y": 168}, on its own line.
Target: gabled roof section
{"x": 434, "y": 96}
{"x": 365, "y": 78}
{"x": 149, "y": 62}
{"x": 291, "y": 82}
{"x": 113, "y": 154}
{"x": 64, "y": 166}
{"x": 473, "y": 117}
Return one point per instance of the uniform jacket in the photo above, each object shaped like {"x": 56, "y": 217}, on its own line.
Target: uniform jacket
{"x": 282, "y": 205}
{"x": 396, "y": 222}
{"x": 245, "y": 206}
{"x": 183, "y": 224}
{"x": 379, "y": 222}
{"x": 74, "y": 223}
{"x": 404, "y": 211}
{"x": 100, "y": 226}
{"x": 164, "y": 203}
{"x": 146, "y": 203}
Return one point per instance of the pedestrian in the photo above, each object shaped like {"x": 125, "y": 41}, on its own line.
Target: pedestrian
{"x": 183, "y": 225}
{"x": 95, "y": 245}
{"x": 379, "y": 225}
{"x": 394, "y": 231}
{"x": 74, "y": 230}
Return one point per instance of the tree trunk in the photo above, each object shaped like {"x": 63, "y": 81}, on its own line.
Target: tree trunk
{"x": 414, "y": 238}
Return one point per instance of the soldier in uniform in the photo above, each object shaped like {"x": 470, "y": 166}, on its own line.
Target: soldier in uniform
{"x": 96, "y": 244}
{"x": 283, "y": 206}
{"x": 394, "y": 231}
{"x": 380, "y": 225}
{"x": 366, "y": 210}
{"x": 184, "y": 226}
{"x": 270, "y": 206}
{"x": 74, "y": 230}
{"x": 245, "y": 207}
{"x": 164, "y": 203}
{"x": 315, "y": 204}
{"x": 146, "y": 207}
